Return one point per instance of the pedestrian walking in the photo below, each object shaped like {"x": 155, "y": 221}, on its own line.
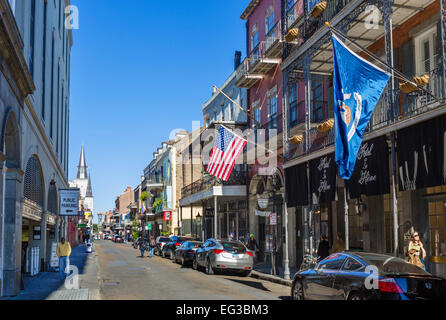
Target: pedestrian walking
{"x": 253, "y": 246}
{"x": 417, "y": 254}
{"x": 323, "y": 250}
{"x": 152, "y": 246}
{"x": 339, "y": 244}
{"x": 63, "y": 251}
{"x": 141, "y": 247}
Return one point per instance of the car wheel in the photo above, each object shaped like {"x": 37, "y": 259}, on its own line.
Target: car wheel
{"x": 355, "y": 296}
{"x": 171, "y": 255}
{"x": 182, "y": 261}
{"x": 297, "y": 292}
{"x": 163, "y": 254}
{"x": 209, "y": 269}
{"x": 195, "y": 264}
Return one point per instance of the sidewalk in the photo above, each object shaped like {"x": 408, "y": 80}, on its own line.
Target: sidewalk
{"x": 49, "y": 286}
{"x": 263, "y": 271}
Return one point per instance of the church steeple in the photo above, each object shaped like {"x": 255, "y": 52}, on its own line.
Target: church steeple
{"x": 82, "y": 167}
{"x": 89, "y": 193}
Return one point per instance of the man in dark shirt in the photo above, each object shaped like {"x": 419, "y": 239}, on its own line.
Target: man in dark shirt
{"x": 253, "y": 246}
{"x": 323, "y": 250}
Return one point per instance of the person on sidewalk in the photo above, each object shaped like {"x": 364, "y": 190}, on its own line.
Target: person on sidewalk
{"x": 417, "y": 253}
{"x": 152, "y": 246}
{"x": 323, "y": 250}
{"x": 63, "y": 251}
{"x": 339, "y": 244}
{"x": 253, "y": 246}
{"x": 142, "y": 247}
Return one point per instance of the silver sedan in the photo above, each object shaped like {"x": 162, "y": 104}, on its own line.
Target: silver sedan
{"x": 221, "y": 255}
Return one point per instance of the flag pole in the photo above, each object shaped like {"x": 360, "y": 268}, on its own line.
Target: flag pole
{"x": 346, "y": 220}
{"x": 397, "y": 72}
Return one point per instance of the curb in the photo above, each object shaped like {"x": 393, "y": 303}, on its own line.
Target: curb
{"x": 271, "y": 278}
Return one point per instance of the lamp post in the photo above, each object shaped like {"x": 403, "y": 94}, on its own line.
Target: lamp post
{"x": 198, "y": 219}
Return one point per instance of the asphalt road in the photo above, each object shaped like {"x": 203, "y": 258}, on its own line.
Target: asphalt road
{"x": 126, "y": 276}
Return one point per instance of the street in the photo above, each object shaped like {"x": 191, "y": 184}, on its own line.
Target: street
{"x": 126, "y": 276}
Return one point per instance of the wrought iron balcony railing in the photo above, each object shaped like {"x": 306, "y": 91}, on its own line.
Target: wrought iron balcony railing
{"x": 238, "y": 177}
{"x": 405, "y": 106}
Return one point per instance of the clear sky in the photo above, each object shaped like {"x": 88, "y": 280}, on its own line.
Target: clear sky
{"x": 140, "y": 69}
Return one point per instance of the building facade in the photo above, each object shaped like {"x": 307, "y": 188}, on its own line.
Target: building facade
{"x": 392, "y": 192}
{"x": 34, "y": 110}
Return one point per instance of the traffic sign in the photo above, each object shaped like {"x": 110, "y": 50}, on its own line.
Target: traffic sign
{"x": 273, "y": 219}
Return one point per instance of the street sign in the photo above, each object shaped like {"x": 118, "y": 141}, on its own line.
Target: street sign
{"x": 69, "y": 202}
{"x": 273, "y": 219}
{"x": 149, "y": 226}
{"x": 82, "y": 226}
{"x": 167, "y": 215}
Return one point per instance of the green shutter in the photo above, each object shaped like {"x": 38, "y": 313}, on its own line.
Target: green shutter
{"x": 408, "y": 60}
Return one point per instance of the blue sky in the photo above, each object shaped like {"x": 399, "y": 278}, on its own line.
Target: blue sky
{"x": 140, "y": 69}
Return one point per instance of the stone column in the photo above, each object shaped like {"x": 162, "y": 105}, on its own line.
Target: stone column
{"x": 12, "y": 229}
{"x": 43, "y": 239}
{"x": 2, "y": 159}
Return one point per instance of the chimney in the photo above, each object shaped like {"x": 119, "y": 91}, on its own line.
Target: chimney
{"x": 237, "y": 59}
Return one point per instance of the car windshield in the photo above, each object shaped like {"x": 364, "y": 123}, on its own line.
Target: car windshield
{"x": 393, "y": 265}
{"x": 193, "y": 244}
{"x": 233, "y": 246}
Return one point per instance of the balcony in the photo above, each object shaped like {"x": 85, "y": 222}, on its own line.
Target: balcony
{"x": 259, "y": 62}
{"x": 244, "y": 77}
{"x": 273, "y": 42}
{"x": 384, "y": 119}
{"x": 153, "y": 183}
{"x": 237, "y": 178}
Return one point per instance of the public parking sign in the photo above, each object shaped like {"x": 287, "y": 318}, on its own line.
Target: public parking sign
{"x": 69, "y": 202}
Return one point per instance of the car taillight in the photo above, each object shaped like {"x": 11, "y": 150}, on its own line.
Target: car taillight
{"x": 389, "y": 285}
{"x": 177, "y": 244}
{"x": 217, "y": 251}
{"x": 249, "y": 253}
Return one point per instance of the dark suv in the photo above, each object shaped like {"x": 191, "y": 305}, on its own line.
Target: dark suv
{"x": 170, "y": 247}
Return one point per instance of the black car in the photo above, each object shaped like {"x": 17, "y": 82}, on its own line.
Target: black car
{"x": 184, "y": 254}
{"x": 169, "y": 248}
{"x": 366, "y": 276}
{"x": 160, "y": 242}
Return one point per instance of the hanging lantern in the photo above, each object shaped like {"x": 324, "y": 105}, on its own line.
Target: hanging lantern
{"x": 422, "y": 81}
{"x": 408, "y": 87}
{"x": 292, "y": 35}
{"x": 296, "y": 139}
{"x": 318, "y": 9}
{"x": 326, "y": 126}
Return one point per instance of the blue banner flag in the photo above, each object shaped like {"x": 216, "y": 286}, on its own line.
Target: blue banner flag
{"x": 357, "y": 87}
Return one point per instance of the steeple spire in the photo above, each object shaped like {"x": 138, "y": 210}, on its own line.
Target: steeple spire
{"x": 82, "y": 167}
{"x": 89, "y": 193}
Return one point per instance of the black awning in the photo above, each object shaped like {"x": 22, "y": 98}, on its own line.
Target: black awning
{"x": 323, "y": 179}
{"x": 421, "y": 155}
{"x": 371, "y": 174}
{"x": 296, "y": 188}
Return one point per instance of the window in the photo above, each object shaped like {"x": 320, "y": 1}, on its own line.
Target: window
{"x": 254, "y": 41}
{"x": 437, "y": 227}
{"x": 256, "y": 116}
{"x": 52, "y": 90}
{"x": 272, "y": 112}
{"x": 351, "y": 264}
{"x": 32, "y": 35}
{"x": 333, "y": 262}
{"x": 317, "y": 99}
{"x": 426, "y": 51}
{"x": 292, "y": 102}
{"x": 269, "y": 20}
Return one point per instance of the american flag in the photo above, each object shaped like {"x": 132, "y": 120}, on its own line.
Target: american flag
{"x": 227, "y": 148}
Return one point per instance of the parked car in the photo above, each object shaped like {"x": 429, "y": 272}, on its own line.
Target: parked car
{"x": 347, "y": 276}
{"x": 169, "y": 248}
{"x": 185, "y": 253}
{"x": 160, "y": 242}
{"x": 221, "y": 255}
{"x": 89, "y": 248}
{"x": 118, "y": 238}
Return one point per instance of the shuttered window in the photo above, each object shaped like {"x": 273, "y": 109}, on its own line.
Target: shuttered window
{"x": 33, "y": 189}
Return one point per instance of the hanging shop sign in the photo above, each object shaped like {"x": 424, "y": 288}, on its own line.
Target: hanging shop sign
{"x": 263, "y": 213}
{"x": 54, "y": 262}
{"x": 69, "y": 202}
{"x": 262, "y": 202}
{"x": 167, "y": 215}
{"x": 273, "y": 219}
{"x": 421, "y": 155}
{"x": 323, "y": 179}
{"x": 296, "y": 185}
{"x": 371, "y": 175}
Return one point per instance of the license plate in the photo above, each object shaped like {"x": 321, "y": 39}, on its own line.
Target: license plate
{"x": 235, "y": 255}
